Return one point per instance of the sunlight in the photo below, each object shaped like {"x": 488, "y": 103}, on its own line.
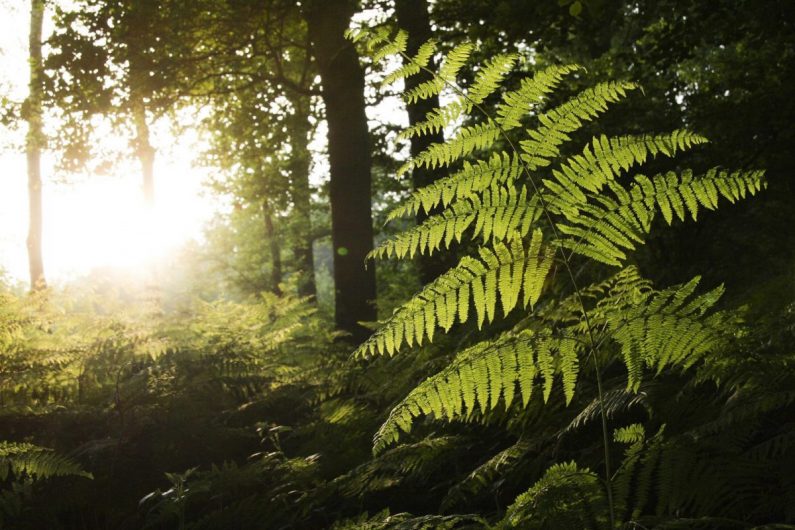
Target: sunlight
{"x": 94, "y": 221}
{"x": 103, "y": 222}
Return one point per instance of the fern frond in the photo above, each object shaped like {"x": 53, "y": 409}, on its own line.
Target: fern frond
{"x": 484, "y": 374}
{"x": 605, "y": 228}
{"x": 413, "y": 65}
{"x": 406, "y": 521}
{"x": 632, "y": 482}
{"x": 465, "y": 142}
{"x": 394, "y": 46}
{"x": 565, "y": 497}
{"x": 668, "y": 328}
{"x": 397, "y": 465}
{"x": 436, "y": 120}
{"x": 452, "y": 63}
{"x": 503, "y": 272}
{"x": 473, "y": 178}
{"x": 518, "y": 103}
{"x": 545, "y": 141}
{"x": 603, "y": 159}
{"x": 486, "y": 473}
{"x": 515, "y": 103}
{"x": 495, "y": 214}
{"x": 613, "y": 402}
{"x": 489, "y": 78}
{"x": 28, "y": 460}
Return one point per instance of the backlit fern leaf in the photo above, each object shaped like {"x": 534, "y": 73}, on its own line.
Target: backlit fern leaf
{"x": 503, "y": 272}
{"x": 495, "y": 214}
{"x": 435, "y": 120}
{"x": 470, "y": 180}
{"x": 466, "y": 141}
{"x": 508, "y": 198}
{"x": 452, "y": 63}
{"x": 606, "y": 227}
{"x": 518, "y": 103}
{"x": 605, "y": 158}
{"x": 544, "y": 142}
{"x": 484, "y": 375}
{"x": 28, "y": 460}
{"x": 489, "y": 78}
{"x": 414, "y": 66}
{"x": 668, "y": 328}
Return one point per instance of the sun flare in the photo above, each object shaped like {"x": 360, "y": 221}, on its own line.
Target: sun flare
{"x": 102, "y": 222}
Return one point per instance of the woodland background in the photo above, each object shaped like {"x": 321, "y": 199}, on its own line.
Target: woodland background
{"x": 225, "y": 395}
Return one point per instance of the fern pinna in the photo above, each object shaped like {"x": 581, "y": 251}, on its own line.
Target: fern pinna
{"x": 535, "y": 209}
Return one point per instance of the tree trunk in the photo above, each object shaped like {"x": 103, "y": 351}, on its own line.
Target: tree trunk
{"x": 413, "y": 17}
{"x": 143, "y": 148}
{"x": 275, "y": 249}
{"x": 350, "y": 163}
{"x": 33, "y": 143}
{"x": 300, "y": 159}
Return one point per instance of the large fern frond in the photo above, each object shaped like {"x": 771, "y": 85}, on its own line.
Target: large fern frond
{"x": 483, "y": 375}
{"x": 605, "y": 228}
{"x": 669, "y": 328}
{"x": 494, "y": 214}
{"x": 473, "y": 178}
{"x": 544, "y": 143}
{"x": 504, "y": 272}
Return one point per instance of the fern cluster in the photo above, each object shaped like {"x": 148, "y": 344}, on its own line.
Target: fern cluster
{"x": 535, "y": 209}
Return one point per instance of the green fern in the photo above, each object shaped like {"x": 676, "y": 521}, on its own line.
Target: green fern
{"x": 531, "y": 206}
{"x": 505, "y": 271}
{"x": 565, "y": 497}
{"x": 485, "y": 375}
{"x": 24, "y": 460}
{"x": 607, "y": 227}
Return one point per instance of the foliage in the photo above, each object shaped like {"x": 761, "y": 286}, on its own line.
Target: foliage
{"x": 577, "y": 212}
{"x": 571, "y": 371}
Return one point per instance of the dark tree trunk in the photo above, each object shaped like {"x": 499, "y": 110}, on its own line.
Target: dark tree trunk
{"x": 413, "y": 17}
{"x": 349, "y": 158}
{"x": 33, "y": 143}
{"x": 275, "y": 249}
{"x": 300, "y": 159}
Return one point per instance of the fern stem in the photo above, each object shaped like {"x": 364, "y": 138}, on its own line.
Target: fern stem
{"x": 569, "y": 271}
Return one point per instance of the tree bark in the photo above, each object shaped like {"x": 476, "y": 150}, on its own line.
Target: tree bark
{"x": 33, "y": 144}
{"x": 275, "y": 249}
{"x": 349, "y": 158}
{"x": 414, "y": 18}
{"x": 300, "y": 160}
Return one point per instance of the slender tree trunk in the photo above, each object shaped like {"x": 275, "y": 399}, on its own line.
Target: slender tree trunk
{"x": 143, "y": 148}
{"x": 34, "y": 141}
{"x": 300, "y": 159}
{"x": 275, "y": 249}
{"x": 349, "y": 159}
{"x": 413, "y": 17}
